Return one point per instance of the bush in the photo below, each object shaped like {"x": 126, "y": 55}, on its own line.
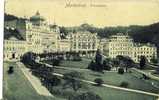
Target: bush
{"x": 124, "y": 84}
{"x": 86, "y": 96}
{"x": 98, "y": 81}
{"x": 120, "y": 71}
{"x": 10, "y": 70}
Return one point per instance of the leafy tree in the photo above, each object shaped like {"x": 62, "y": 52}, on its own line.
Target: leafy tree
{"x": 106, "y": 65}
{"x": 73, "y": 80}
{"x": 115, "y": 63}
{"x": 143, "y": 61}
{"x": 98, "y": 81}
{"x": 125, "y": 62}
{"x": 91, "y": 65}
{"x": 86, "y": 96}
{"x": 98, "y": 57}
{"x": 28, "y": 58}
{"x": 121, "y": 71}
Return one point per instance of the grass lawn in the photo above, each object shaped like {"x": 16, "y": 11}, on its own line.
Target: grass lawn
{"x": 17, "y": 87}
{"x": 113, "y": 78}
{"x": 104, "y": 92}
{"x": 112, "y": 94}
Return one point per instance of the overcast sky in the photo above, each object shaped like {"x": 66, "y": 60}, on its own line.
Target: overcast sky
{"x": 105, "y": 13}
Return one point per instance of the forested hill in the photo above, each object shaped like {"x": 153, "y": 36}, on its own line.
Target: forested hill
{"x": 144, "y": 34}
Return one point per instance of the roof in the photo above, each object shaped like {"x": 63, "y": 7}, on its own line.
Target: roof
{"x": 37, "y": 17}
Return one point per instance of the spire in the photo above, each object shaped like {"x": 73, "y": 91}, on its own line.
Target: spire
{"x": 37, "y": 13}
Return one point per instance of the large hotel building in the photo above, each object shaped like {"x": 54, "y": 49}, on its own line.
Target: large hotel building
{"x": 124, "y": 45}
{"x": 40, "y": 37}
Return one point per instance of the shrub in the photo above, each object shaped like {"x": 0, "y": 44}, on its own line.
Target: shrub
{"x": 124, "y": 84}
{"x": 98, "y": 81}
{"x": 10, "y": 70}
{"x": 121, "y": 71}
{"x": 86, "y": 96}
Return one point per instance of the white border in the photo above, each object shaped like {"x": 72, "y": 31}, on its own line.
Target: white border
{"x": 1, "y": 45}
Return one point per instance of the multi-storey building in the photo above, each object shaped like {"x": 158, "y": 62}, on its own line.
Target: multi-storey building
{"x": 104, "y": 46}
{"x": 148, "y": 50}
{"x": 41, "y": 35}
{"x": 121, "y": 44}
{"x": 14, "y": 48}
{"x": 84, "y": 41}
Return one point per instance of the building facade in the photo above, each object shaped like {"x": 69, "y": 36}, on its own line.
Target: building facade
{"x": 148, "y": 50}
{"x": 124, "y": 45}
{"x": 14, "y": 49}
{"x": 41, "y": 35}
{"x": 83, "y": 41}
{"x": 120, "y": 44}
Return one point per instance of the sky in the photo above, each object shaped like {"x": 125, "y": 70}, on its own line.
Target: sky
{"x": 99, "y": 13}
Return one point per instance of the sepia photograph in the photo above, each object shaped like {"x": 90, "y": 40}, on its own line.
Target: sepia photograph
{"x": 81, "y": 50}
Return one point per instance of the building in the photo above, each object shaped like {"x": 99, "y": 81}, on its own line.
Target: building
{"x": 104, "y": 46}
{"x": 124, "y": 45}
{"x": 120, "y": 44}
{"x": 14, "y": 49}
{"x": 64, "y": 45}
{"x": 83, "y": 41}
{"x": 148, "y": 50}
{"x": 41, "y": 35}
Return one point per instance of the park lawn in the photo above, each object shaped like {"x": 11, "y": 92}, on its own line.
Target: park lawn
{"x": 17, "y": 87}
{"x": 113, "y": 94}
{"x": 104, "y": 92}
{"x": 113, "y": 78}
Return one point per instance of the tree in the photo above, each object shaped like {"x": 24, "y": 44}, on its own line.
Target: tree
{"x": 106, "y": 65}
{"x": 10, "y": 70}
{"x": 91, "y": 65}
{"x": 98, "y": 57}
{"x": 28, "y": 58}
{"x": 125, "y": 61}
{"x": 143, "y": 61}
{"x": 121, "y": 71}
{"x": 86, "y": 96}
{"x": 73, "y": 80}
{"x": 115, "y": 63}
{"x": 98, "y": 81}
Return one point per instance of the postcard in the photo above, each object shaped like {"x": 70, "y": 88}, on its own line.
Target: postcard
{"x": 81, "y": 50}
